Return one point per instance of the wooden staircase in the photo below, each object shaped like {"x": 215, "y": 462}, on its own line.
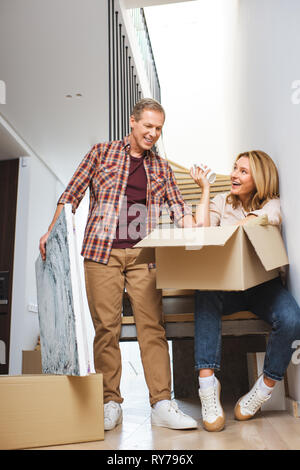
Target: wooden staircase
{"x": 191, "y": 191}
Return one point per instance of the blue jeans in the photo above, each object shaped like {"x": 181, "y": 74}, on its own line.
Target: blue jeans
{"x": 270, "y": 301}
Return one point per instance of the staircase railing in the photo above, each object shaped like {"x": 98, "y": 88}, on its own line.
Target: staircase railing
{"x": 141, "y": 29}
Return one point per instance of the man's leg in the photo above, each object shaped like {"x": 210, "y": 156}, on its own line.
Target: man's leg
{"x": 105, "y": 286}
{"x": 146, "y": 303}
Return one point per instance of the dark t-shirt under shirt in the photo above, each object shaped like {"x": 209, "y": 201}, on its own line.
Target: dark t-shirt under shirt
{"x": 131, "y": 226}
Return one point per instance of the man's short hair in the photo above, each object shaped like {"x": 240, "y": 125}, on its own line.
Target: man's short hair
{"x": 146, "y": 103}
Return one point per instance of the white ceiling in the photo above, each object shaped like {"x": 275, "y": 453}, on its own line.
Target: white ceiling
{"x": 47, "y": 51}
{"x": 10, "y": 148}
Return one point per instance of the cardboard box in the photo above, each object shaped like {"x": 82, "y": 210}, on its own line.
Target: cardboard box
{"x": 43, "y": 410}
{"x": 214, "y": 258}
{"x": 31, "y": 362}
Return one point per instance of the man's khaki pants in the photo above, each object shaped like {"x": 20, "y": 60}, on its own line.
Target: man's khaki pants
{"x": 105, "y": 287}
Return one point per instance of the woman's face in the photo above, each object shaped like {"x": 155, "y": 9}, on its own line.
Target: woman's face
{"x": 242, "y": 183}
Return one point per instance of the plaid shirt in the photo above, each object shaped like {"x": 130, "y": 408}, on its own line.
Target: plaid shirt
{"x": 105, "y": 170}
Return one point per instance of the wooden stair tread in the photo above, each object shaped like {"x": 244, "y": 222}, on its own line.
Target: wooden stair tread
{"x": 189, "y": 317}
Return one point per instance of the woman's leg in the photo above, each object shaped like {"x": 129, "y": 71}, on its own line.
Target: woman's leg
{"x": 208, "y": 330}
{"x": 209, "y": 308}
{"x": 274, "y": 304}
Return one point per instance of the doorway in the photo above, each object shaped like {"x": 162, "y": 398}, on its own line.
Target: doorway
{"x": 9, "y": 170}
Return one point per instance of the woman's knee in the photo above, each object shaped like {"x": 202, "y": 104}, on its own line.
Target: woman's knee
{"x": 293, "y": 323}
{"x": 208, "y": 297}
{"x": 289, "y": 320}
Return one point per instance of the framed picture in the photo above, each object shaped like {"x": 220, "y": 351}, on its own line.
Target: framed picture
{"x": 60, "y": 303}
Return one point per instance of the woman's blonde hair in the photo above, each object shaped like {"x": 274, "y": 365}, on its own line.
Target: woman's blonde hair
{"x": 265, "y": 176}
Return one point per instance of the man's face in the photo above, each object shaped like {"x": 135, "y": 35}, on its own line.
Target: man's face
{"x": 146, "y": 131}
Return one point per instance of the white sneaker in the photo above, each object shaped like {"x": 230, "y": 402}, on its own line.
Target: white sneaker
{"x": 168, "y": 415}
{"x": 212, "y": 412}
{"x": 112, "y": 415}
{"x": 249, "y": 404}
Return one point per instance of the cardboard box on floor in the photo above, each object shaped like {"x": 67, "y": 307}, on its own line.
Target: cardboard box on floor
{"x": 44, "y": 410}
{"x": 31, "y": 362}
{"x": 214, "y": 258}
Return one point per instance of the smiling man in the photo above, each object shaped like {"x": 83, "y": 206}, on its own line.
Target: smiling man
{"x": 146, "y": 127}
{"x": 127, "y": 178}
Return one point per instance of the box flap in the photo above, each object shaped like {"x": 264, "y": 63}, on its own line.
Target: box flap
{"x": 268, "y": 244}
{"x": 188, "y": 237}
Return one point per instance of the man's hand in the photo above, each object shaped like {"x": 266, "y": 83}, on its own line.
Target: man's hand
{"x": 187, "y": 221}
{"x": 45, "y": 237}
{"x": 42, "y": 245}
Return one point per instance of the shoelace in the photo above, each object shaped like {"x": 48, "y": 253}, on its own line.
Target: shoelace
{"x": 111, "y": 404}
{"x": 173, "y": 406}
{"x": 110, "y": 408}
{"x": 209, "y": 404}
{"x": 254, "y": 401}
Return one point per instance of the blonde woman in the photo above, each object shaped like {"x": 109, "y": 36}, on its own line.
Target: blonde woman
{"x": 254, "y": 192}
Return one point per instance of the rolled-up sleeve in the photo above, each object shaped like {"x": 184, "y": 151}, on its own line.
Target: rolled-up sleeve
{"x": 272, "y": 210}
{"x": 177, "y": 207}
{"x": 79, "y": 182}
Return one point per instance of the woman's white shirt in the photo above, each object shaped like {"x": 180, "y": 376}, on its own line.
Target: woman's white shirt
{"x": 222, "y": 213}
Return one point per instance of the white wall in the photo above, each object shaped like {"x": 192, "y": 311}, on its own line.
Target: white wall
{"x": 18, "y": 308}
{"x": 49, "y": 50}
{"x": 38, "y": 192}
{"x": 193, "y": 47}
{"x": 35, "y": 205}
{"x": 268, "y": 39}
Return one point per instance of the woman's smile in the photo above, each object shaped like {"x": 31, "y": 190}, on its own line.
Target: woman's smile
{"x": 242, "y": 182}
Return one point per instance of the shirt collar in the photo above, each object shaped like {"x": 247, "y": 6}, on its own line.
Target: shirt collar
{"x": 126, "y": 147}
{"x": 126, "y": 143}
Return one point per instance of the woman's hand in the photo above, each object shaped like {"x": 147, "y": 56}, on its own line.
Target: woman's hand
{"x": 254, "y": 220}
{"x": 246, "y": 220}
{"x": 200, "y": 176}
